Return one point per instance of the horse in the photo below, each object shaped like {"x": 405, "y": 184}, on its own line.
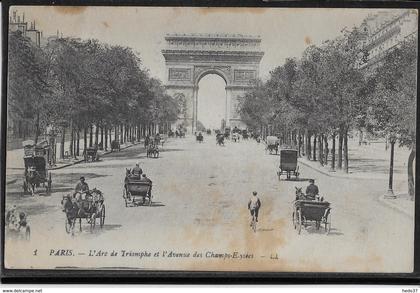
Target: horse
{"x": 300, "y": 195}
{"x": 32, "y": 180}
{"x": 75, "y": 207}
{"x": 152, "y": 151}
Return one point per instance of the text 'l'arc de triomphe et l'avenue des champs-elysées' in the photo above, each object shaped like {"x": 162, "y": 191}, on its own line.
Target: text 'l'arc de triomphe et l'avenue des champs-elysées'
{"x": 189, "y": 57}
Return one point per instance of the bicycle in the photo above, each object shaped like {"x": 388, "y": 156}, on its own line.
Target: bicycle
{"x": 254, "y": 223}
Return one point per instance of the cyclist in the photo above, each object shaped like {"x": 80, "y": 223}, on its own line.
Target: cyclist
{"x": 254, "y": 205}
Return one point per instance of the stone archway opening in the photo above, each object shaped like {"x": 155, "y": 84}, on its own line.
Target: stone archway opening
{"x": 211, "y": 101}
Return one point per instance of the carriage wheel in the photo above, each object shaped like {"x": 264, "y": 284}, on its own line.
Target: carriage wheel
{"x": 294, "y": 220}
{"x": 28, "y": 233}
{"x": 49, "y": 182}
{"x": 125, "y": 197}
{"x": 298, "y": 221}
{"x": 25, "y": 187}
{"x": 279, "y": 174}
{"x": 150, "y": 201}
{"x": 327, "y": 224}
{"x": 102, "y": 217}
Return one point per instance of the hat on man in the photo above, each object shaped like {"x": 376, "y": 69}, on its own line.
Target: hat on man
{"x": 254, "y": 193}
{"x": 82, "y": 178}
{"x": 311, "y": 181}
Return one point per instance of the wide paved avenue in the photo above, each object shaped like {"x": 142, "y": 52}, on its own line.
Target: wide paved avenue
{"x": 200, "y": 207}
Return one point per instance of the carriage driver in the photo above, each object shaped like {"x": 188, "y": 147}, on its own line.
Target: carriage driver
{"x": 81, "y": 187}
{"x": 137, "y": 171}
{"x": 312, "y": 190}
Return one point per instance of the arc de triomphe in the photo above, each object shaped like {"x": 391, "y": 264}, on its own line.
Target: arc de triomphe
{"x": 189, "y": 57}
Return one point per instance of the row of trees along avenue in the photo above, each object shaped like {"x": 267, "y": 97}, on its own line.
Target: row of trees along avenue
{"x": 85, "y": 88}
{"x": 314, "y": 102}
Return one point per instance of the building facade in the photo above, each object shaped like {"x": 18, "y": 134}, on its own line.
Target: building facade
{"x": 384, "y": 31}
{"x": 19, "y": 129}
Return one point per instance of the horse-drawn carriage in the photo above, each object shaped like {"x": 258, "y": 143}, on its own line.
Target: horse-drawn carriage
{"x": 288, "y": 163}
{"x": 180, "y": 133}
{"x": 235, "y": 137}
{"x": 134, "y": 188}
{"x": 152, "y": 150}
{"x": 220, "y": 139}
{"x": 87, "y": 205}
{"x": 16, "y": 225}
{"x": 310, "y": 210}
{"x": 36, "y": 171}
{"x": 115, "y": 146}
{"x": 91, "y": 154}
{"x": 199, "y": 138}
{"x": 272, "y": 144}
{"x": 227, "y": 133}
{"x": 245, "y": 134}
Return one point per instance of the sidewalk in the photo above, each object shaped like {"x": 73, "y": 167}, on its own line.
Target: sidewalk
{"x": 367, "y": 162}
{"x": 371, "y": 162}
{"x": 15, "y": 161}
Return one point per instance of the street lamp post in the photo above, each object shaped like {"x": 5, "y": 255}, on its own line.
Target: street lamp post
{"x": 390, "y": 194}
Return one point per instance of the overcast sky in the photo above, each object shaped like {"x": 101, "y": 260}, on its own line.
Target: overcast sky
{"x": 285, "y": 32}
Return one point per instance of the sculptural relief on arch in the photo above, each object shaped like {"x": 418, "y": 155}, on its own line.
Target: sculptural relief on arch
{"x": 190, "y": 57}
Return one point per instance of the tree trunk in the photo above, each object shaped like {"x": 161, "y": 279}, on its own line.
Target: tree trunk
{"x": 360, "y": 137}
{"x": 105, "y": 142}
{"x": 308, "y": 145}
{"x": 345, "y": 151}
{"x": 102, "y": 136}
{"x": 63, "y": 140}
{"x": 299, "y": 143}
{"x": 326, "y": 150}
{"x": 78, "y": 143}
{"x": 125, "y": 132}
{"x": 71, "y": 139}
{"x": 96, "y": 134}
{"x": 340, "y": 149}
{"x": 410, "y": 169}
{"x": 84, "y": 139}
{"x": 37, "y": 128}
{"x": 121, "y": 134}
{"x": 321, "y": 149}
{"x": 91, "y": 136}
{"x": 333, "y": 152}
{"x": 314, "y": 149}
